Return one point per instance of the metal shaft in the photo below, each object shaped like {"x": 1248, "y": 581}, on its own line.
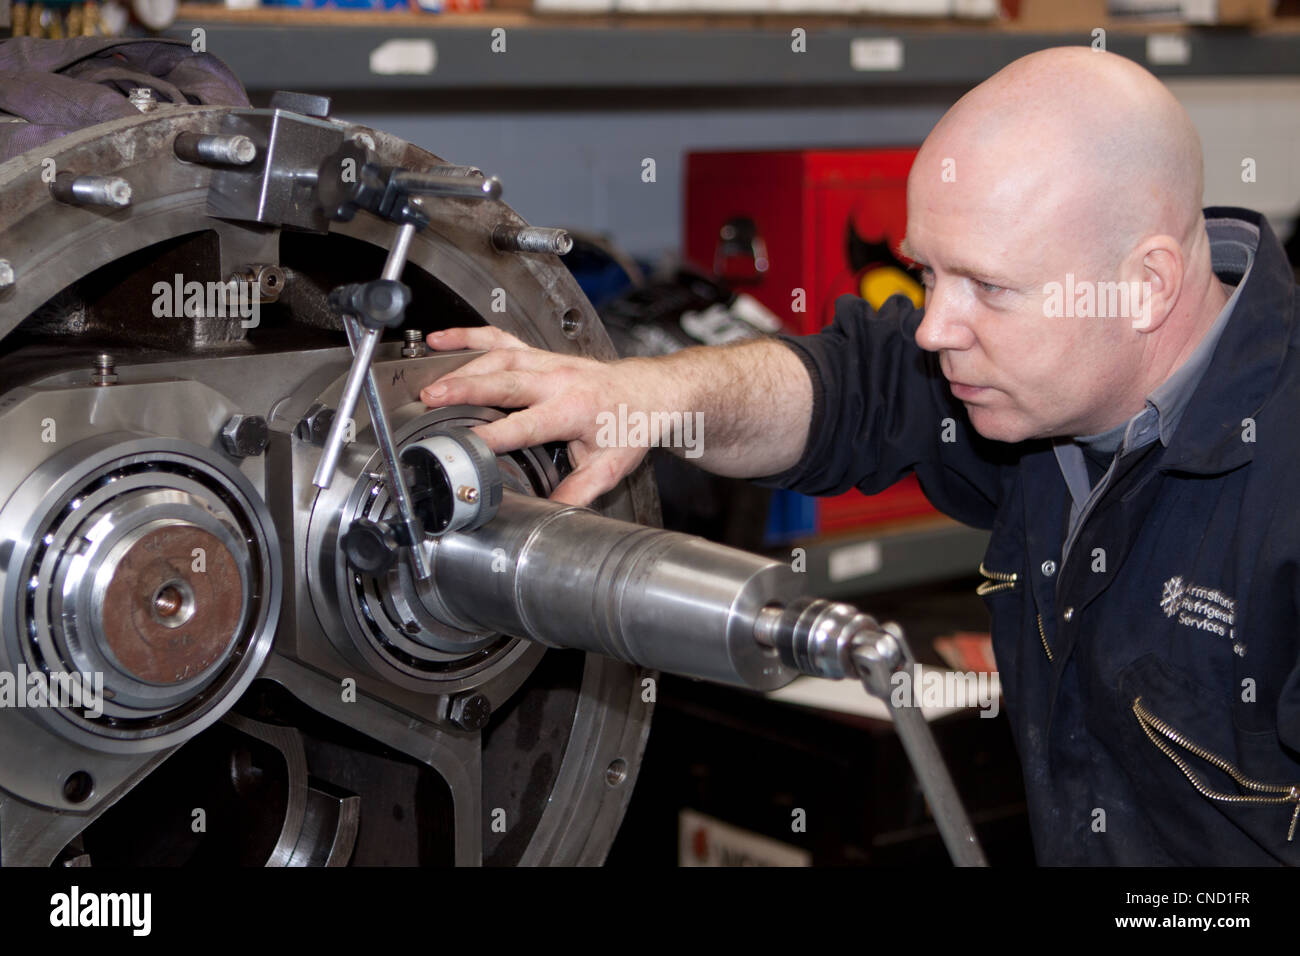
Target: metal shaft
{"x": 569, "y": 577}
{"x": 362, "y": 356}
{"x": 459, "y": 187}
{"x": 396, "y": 260}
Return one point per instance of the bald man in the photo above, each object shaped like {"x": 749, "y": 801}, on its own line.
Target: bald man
{"x": 1104, "y": 375}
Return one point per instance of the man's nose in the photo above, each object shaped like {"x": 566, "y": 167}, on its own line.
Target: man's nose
{"x": 943, "y": 326}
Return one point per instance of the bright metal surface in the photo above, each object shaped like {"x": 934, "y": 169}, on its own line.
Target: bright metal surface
{"x": 174, "y": 403}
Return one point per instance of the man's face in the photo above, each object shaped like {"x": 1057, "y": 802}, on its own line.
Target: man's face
{"x": 988, "y": 243}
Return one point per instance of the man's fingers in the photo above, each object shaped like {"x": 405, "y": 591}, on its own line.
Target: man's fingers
{"x": 509, "y": 389}
{"x": 498, "y": 360}
{"x": 602, "y": 471}
{"x": 513, "y": 375}
{"x": 476, "y": 337}
{"x": 522, "y": 429}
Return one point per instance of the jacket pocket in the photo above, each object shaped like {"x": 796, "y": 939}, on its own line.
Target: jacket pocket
{"x": 1178, "y": 747}
{"x": 1205, "y": 792}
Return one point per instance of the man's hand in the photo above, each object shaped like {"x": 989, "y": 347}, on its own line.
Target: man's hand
{"x": 753, "y": 399}
{"x": 559, "y": 397}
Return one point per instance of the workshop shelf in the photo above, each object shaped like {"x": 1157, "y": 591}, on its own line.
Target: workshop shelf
{"x": 359, "y": 52}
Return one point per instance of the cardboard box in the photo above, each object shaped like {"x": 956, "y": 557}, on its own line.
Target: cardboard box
{"x": 1052, "y": 16}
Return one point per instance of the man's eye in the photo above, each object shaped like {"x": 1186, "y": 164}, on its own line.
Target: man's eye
{"x": 988, "y": 287}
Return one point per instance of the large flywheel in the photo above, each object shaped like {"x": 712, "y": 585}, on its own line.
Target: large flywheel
{"x": 224, "y": 680}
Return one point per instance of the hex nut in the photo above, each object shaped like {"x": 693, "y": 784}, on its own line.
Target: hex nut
{"x": 245, "y": 436}
{"x": 471, "y": 711}
{"x": 315, "y": 425}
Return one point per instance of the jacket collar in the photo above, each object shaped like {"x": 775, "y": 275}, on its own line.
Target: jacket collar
{"x": 1245, "y": 365}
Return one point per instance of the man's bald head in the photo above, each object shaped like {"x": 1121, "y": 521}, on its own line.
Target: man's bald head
{"x": 1070, "y": 162}
{"x": 1087, "y": 133}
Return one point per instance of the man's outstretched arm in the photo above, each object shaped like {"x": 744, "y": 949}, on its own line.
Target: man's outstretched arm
{"x": 753, "y": 399}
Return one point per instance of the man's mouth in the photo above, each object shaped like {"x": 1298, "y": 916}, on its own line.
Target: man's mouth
{"x": 964, "y": 392}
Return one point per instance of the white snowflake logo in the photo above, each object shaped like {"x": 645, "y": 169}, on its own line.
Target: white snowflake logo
{"x": 1173, "y": 596}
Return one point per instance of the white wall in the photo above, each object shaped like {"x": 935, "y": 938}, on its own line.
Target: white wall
{"x": 1257, "y": 119}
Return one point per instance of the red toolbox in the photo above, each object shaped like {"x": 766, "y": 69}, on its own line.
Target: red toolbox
{"x": 796, "y": 229}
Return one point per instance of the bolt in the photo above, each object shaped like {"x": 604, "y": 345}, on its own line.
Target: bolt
{"x": 467, "y": 494}
{"x": 6, "y": 274}
{"x": 532, "y": 239}
{"x": 616, "y": 772}
{"x": 414, "y": 347}
{"x": 142, "y": 99}
{"x": 571, "y": 323}
{"x": 91, "y": 190}
{"x": 471, "y": 711}
{"x": 315, "y": 425}
{"x": 265, "y": 279}
{"x": 245, "y": 436}
{"x": 104, "y": 370}
{"x": 270, "y": 281}
{"x": 236, "y": 150}
{"x": 454, "y": 171}
{"x": 168, "y": 602}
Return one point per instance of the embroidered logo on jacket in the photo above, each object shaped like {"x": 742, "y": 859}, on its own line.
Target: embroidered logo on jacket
{"x": 1203, "y": 608}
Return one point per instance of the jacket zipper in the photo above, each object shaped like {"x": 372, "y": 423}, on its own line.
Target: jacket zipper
{"x": 1285, "y": 794}
{"x": 1003, "y": 581}
{"x": 997, "y": 581}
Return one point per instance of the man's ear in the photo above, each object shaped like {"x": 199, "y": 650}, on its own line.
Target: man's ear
{"x": 1155, "y": 275}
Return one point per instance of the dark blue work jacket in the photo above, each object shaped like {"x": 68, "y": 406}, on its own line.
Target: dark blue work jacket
{"x": 1154, "y": 693}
